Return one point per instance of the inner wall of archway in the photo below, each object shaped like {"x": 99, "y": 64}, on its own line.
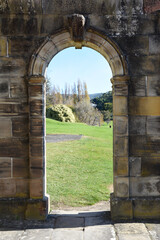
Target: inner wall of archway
{"x": 127, "y": 36}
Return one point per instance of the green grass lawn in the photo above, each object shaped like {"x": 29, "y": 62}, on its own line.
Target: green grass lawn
{"x": 79, "y": 172}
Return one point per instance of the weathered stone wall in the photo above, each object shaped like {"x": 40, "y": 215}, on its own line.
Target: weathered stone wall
{"x": 129, "y": 26}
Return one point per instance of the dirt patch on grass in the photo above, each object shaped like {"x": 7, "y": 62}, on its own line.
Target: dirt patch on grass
{"x": 110, "y": 188}
{"x": 51, "y": 138}
{"x": 100, "y": 206}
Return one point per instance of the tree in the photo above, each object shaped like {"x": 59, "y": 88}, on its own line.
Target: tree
{"x": 108, "y": 107}
{"x": 100, "y": 101}
{"x": 86, "y": 96}
{"x": 106, "y": 115}
{"x": 104, "y": 104}
{"x": 86, "y": 113}
{"x": 48, "y": 92}
{"x": 74, "y": 93}
{"x": 79, "y": 90}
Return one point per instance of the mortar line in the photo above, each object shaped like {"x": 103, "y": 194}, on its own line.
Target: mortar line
{"x": 11, "y": 167}
{"x": 148, "y": 232}
{"x": 7, "y": 55}
{"x": 116, "y": 233}
{"x": 84, "y": 228}
{"x": 146, "y": 86}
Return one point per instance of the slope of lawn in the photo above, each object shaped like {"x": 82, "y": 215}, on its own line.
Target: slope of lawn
{"x": 79, "y": 172}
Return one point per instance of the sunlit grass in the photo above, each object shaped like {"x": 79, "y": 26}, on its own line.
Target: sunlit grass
{"x": 79, "y": 172}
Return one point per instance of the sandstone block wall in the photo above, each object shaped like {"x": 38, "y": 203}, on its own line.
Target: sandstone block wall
{"x": 132, "y": 28}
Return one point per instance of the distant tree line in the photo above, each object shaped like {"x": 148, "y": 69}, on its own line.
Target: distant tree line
{"x": 70, "y": 95}
{"x": 104, "y": 104}
{"x": 77, "y": 98}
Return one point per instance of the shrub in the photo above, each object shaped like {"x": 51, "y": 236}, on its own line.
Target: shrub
{"x": 60, "y": 113}
{"x": 86, "y": 113}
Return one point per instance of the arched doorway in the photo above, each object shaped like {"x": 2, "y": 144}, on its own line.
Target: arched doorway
{"x": 36, "y": 75}
{"x": 83, "y": 174}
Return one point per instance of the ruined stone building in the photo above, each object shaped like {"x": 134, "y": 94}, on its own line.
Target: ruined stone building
{"x": 127, "y": 34}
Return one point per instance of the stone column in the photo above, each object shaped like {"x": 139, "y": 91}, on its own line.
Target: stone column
{"x": 120, "y": 147}
{"x": 36, "y": 91}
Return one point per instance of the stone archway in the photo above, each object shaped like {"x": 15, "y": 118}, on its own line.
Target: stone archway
{"x": 38, "y": 65}
{"x": 29, "y": 39}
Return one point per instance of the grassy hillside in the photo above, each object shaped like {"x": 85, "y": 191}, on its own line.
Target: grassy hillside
{"x": 79, "y": 172}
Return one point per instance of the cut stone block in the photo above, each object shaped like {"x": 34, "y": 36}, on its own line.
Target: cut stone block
{"x": 121, "y": 187}
{"x": 5, "y": 128}
{"x": 34, "y": 234}
{"x": 20, "y": 127}
{"x": 137, "y": 125}
{"x": 150, "y": 166}
{"x": 153, "y": 125}
{"x": 143, "y": 106}
{"x": 20, "y": 167}
{"x": 145, "y": 186}
{"x": 120, "y": 106}
{"x": 154, "y": 43}
{"x": 130, "y": 228}
{"x": 68, "y": 233}
{"x": 134, "y": 236}
{"x": 120, "y": 125}
{"x": 11, "y": 235}
{"x": 121, "y": 146}
{"x": 137, "y": 86}
{"x": 100, "y": 233}
{"x": 5, "y": 167}
{"x": 135, "y": 166}
{"x": 7, "y": 188}
{"x": 143, "y": 145}
{"x": 121, "y": 208}
{"x": 121, "y": 165}
{"x": 36, "y": 188}
{"x": 153, "y": 85}
{"x": 4, "y": 89}
{"x": 8, "y": 149}
{"x": 154, "y": 230}
{"x": 146, "y": 208}
{"x": 69, "y": 222}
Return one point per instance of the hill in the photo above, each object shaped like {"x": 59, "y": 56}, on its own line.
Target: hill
{"x": 95, "y": 95}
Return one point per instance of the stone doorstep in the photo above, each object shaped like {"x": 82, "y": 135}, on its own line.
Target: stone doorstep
{"x": 80, "y": 226}
{"x": 133, "y": 231}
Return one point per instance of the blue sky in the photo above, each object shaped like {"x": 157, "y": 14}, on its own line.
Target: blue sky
{"x": 87, "y": 65}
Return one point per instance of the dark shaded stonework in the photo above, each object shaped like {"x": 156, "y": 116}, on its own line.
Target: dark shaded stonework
{"x": 127, "y": 34}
